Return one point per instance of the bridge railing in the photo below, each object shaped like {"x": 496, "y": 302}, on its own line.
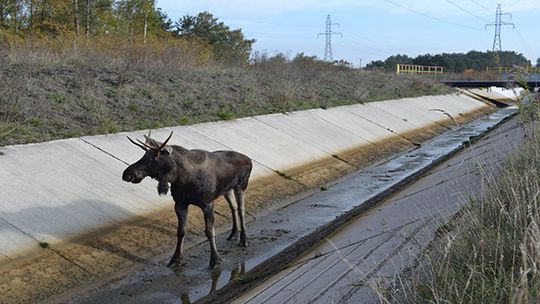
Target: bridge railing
{"x": 418, "y": 69}
{"x": 510, "y": 69}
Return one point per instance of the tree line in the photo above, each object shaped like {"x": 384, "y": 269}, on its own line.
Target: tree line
{"x": 137, "y": 20}
{"x": 456, "y": 62}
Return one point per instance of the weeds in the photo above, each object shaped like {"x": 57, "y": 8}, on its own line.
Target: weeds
{"x": 244, "y": 278}
{"x": 225, "y": 115}
{"x": 117, "y": 87}
{"x": 11, "y": 113}
{"x": 284, "y": 175}
{"x": 493, "y": 255}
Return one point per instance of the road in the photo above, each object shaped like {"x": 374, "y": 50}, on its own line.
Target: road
{"x": 363, "y": 261}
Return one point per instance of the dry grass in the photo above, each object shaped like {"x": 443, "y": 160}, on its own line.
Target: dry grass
{"x": 493, "y": 255}
{"x": 51, "y": 91}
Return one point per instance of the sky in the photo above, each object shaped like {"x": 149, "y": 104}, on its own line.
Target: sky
{"x": 373, "y": 29}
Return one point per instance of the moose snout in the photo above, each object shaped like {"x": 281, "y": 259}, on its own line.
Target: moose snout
{"x": 131, "y": 177}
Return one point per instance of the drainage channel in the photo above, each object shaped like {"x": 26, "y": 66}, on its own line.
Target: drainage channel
{"x": 283, "y": 235}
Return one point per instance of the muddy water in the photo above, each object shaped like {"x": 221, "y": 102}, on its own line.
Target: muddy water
{"x": 154, "y": 283}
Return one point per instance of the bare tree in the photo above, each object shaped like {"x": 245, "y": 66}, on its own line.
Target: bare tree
{"x": 87, "y": 29}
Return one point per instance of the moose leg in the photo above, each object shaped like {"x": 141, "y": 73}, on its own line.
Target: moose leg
{"x": 240, "y": 195}
{"x": 181, "y": 214}
{"x": 234, "y": 210}
{"x": 209, "y": 231}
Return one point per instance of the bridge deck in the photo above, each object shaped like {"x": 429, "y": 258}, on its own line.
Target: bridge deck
{"x": 531, "y": 84}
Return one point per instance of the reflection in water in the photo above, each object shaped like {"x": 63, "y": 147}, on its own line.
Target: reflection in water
{"x": 215, "y": 274}
{"x": 238, "y": 270}
{"x": 185, "y": 298}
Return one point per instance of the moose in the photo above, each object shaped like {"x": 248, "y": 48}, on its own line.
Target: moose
{"x": 195, "y": 177}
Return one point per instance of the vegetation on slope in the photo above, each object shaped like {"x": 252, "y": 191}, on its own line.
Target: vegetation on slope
{"x": 72, "y": 68}
{"x": 45, "y": 96}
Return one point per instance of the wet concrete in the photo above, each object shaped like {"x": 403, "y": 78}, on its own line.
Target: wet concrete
{"x": 277, "y": 232}
{"x": 362, "y": 261}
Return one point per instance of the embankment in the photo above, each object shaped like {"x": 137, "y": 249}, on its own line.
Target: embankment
{"x": 68, "y": 220}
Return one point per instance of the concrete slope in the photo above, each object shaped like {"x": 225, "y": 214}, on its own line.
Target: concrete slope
{"x": 495, "y": 94}
{"x": 329, "y": 137}
{"x": 364, "y": 260}
{"x": 56, "y": 191}
{"x": 362, "y": 236}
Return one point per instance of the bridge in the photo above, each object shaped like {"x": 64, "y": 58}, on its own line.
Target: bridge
{"x": 525, "y": 77}
{"x": 526, "y": 84}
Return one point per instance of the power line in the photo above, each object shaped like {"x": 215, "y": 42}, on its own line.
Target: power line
{"x": 354, "y": 47}
{"x": 466, "y": 11}
{"x": 524, "y": 43}
{"x": 429, "y": 16}
{"x": 364, "y": 45}
{"x": 480, "y": 5}
{"x": 379, "y": 43}
{"x": 328, "y": 56}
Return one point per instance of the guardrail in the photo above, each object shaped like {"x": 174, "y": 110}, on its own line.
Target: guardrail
{"x": 512, "y": 69}
{"x": 418, "y": 69}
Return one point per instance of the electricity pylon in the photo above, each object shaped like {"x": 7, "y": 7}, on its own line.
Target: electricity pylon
{"x": 328, "y": 56}
{"x": 497, "y": 46}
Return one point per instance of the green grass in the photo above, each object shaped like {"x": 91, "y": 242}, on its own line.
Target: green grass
{"x": 133, "y": 107}
{"x": 44, "y": 245}
{"x": 225, "y": 115}
{"x": 244, "y": 278}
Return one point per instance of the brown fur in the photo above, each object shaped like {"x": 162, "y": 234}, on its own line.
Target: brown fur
{"x": 196, "y": 177}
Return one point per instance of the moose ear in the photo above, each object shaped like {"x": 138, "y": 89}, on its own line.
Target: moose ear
{"x": 168, "y": 149}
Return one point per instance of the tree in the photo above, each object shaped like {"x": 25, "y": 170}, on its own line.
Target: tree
{"x": 538, "y": 62}
{"x": 456, "y": 62}
{"x": 228, "y": 45}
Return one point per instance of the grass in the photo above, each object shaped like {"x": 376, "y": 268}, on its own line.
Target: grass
{"x": 493, "y": 253}
{"x": 44, "y": 245}
{"x": 48, "y": 95}
{"x": 225, "y": 115}
{"x": 244, "y": 278}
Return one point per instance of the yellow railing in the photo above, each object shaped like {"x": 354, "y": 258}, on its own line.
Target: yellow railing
{"x": 418, "y": 69}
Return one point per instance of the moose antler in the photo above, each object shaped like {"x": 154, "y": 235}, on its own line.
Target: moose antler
{"x": 146, "y": 146}
{"x": 165, "y": 142}
{"x": 141, "y": 145}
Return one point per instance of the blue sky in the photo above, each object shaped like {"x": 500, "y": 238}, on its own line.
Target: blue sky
{"x": 373, "y": 29}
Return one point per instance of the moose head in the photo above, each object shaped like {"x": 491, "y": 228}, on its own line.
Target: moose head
{"x": 156, "y": 163}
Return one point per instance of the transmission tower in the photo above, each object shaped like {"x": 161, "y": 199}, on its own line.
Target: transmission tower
{"x": 497, "y": 47}
{"x": 328, "y": 56}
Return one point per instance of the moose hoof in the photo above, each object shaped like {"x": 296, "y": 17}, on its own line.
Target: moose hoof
{"x": 214, "y": 261}
{"x": 174, "y": 261}
{"x": 243, "y": 242}
{"x": 232, "y": 236}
